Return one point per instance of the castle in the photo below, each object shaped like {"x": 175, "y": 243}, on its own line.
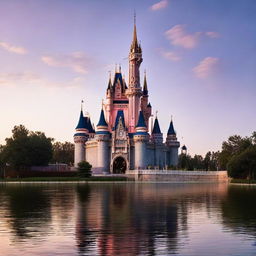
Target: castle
{"x": 122, "y": 140}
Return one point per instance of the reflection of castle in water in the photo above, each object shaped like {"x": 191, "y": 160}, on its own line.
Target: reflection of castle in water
{"x": 130, "y": 220}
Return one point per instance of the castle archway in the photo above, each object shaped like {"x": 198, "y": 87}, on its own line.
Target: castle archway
{"x": 119, "y": 165}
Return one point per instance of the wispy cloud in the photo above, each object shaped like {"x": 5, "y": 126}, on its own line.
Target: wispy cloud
{"x": 169, "y": 55}
{"x": 12, "y": 78}
{"x": 11, "y": 48}
{"x": 178, "y": 36}
{"x": 77, "y": 61}
{"x": 160, "y": 5}
{"x": 212, "y": 34}
{"x": 28, "y": 78}
{"x": 206, "y": 67}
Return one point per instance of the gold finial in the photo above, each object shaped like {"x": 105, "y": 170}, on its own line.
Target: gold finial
{"x": 119, "y": 68}
{"x": 134, "y": 17}
{"x": 115, "y": 67}
{"x": 156, "y": 113}
{"x": 171, "y": 117}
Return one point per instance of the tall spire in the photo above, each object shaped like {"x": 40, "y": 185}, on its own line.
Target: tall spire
{"x": 134, "y": 45}
{"x": 145, "y": 85}
{"x": 109, "y": 81}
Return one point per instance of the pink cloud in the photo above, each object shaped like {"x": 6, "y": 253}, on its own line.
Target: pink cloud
{"x": 178, "y": 36}
{"x": 212, "y": 34}
{"x": 206, "y": 67}
{"x": 11, "y": 48}
{"x": 169, "y": 55}
{"x": 77, "y": 61}
{"x": 160, "y": 5}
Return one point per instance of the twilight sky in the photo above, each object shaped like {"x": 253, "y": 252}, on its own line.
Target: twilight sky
{"x": 200, "y": 58}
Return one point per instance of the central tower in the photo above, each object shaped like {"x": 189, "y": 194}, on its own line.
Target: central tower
{"x": 134, "y": 91}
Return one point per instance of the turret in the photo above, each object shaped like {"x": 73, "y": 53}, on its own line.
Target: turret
{"x": 134, "y": 91}
{"x": 184, "y": 150}
{"x": 80, "y": 137}
{"x": 141, "y": 137}
{"x": 145, "y": 106}
{"x": 157, "y": 139}
{"x": 109, "y": 101}
{"x": 103, "y": 138}
{"x": 172, "y": 145}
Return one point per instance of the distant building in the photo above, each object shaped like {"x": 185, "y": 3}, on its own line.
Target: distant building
{"x": 122, "y": 140}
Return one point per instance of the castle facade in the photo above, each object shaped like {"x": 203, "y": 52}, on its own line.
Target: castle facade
{"x": 122, "y": 140}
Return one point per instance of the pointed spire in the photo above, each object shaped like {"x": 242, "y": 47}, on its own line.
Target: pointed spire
{"x": 141, "y": 120}
{"x": 109, "y": 81}
{"x": 145, "y": 85}
{"x": 171, "y": 129}
{"x": 156, "y": 128}
{"x": 102, "y": 121}
{"x": 81, "y": 122}
{"x": 134, "y": 44}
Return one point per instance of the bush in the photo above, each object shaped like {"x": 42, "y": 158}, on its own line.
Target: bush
{"x": 84, "y": 169}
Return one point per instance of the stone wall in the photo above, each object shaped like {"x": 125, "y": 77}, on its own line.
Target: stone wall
{"x": 178, "y": 176}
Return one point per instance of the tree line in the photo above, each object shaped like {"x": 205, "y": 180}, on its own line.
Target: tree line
{"x": 237, "y": 156}
{"x": 27, "y": 148}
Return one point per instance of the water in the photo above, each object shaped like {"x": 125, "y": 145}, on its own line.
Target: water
{"x": 127, "y": 219}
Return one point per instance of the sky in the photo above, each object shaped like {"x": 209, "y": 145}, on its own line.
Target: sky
{"x": 199, "y": 56}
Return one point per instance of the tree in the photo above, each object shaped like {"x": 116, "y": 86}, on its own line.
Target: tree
{"x": 233, "y": 146}
{"x": 243, "y": 165}
{"x": 63, "y": 153}
{"x": 26, "y": 148}
{"x": 84, "y": 169}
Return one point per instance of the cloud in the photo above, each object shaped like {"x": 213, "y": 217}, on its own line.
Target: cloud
{"x": 178, "y": 36}
{"x": 77, "y": 61}
{"x": 29, "y": 78}
{"x": 12, "y": 78}
{"x": 11, "y": 48}
{"x": 206, "y": 67}
{"x": 212, "y": 34}
{"x": 169, "y": 55}
{"x": 160, "y": 5}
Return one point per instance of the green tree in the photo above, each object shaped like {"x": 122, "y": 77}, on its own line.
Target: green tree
{"x": 26, "y": 148}
{"x": 243, "y": 165}
{"x": 84, "y": 169}
{"x": 233, "y": 146}
{"x": 63, "y": 153}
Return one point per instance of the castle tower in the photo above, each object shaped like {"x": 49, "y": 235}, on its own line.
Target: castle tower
{"x": 134, "y": 91}
{"x": 109, "y": 102}
{"x": 103, "y": 138}
{"x": 173, "y": 145}
{"x": 141, "y": 138}
{"x": 80, "y": 137}
{"x": 145, "y": 105}
{"x": 157, "y": 139}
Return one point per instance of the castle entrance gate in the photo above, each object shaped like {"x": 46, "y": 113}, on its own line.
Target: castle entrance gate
{"x": 119, "y": 165}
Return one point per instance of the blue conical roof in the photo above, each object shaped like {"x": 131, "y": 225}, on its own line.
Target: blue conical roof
{"x": 81, "y": 123}
{"x": 141, "y": 120}
{"x": 89, "y": 125}
{"x": 156, "y": 128}
{"x": 102, "y": 121}
{"x": 171, "y": 129}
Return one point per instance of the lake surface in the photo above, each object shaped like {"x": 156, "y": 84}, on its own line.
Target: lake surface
{"x": 127, "y": 219}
